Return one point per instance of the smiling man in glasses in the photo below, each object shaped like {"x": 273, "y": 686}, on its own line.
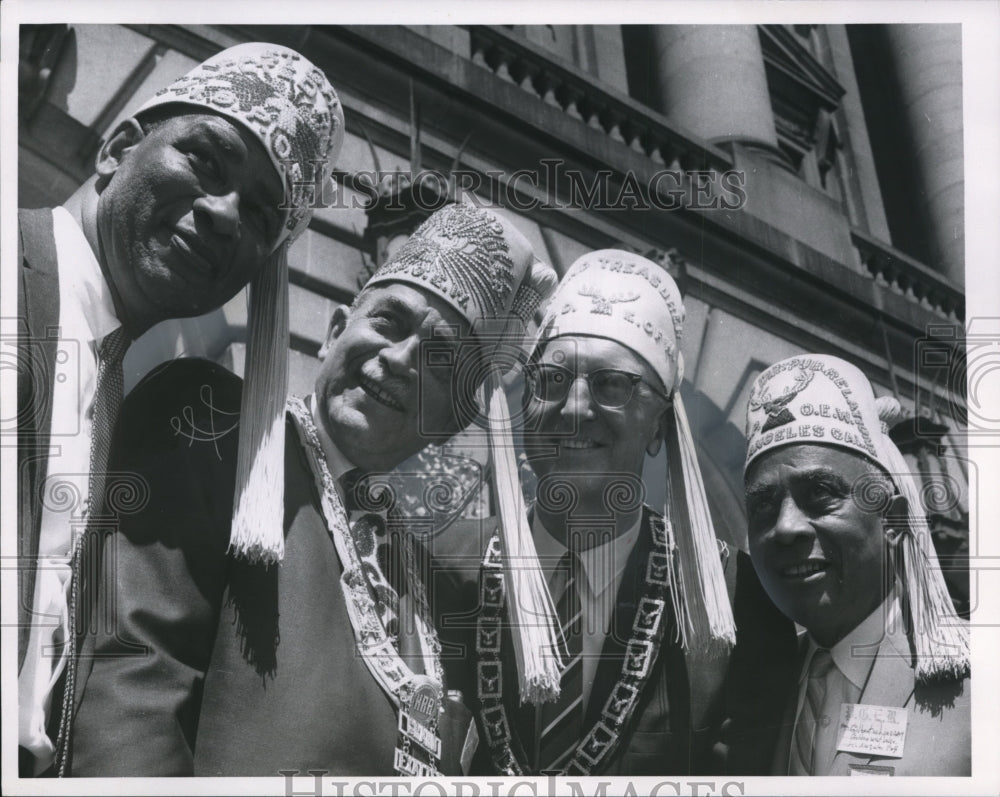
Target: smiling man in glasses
{"x": 640, "y": 594}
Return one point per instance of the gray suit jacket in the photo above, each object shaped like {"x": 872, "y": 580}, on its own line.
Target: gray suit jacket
{"x": 938, "y": 731}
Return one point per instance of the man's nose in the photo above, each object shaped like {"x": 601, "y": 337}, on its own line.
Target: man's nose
{"x": 579, "y": 402}
{"x": 791, "y": 522}
{"x": 222, "y": 211}
{"x": 401, "y": 357}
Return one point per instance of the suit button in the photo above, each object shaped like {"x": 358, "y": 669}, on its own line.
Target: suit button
{"x": 824, "y": 720}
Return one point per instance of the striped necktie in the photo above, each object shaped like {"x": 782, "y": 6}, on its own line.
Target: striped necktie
{"x": 562, "y": 721}
{"x": 86, "y": 553}
{"x": 803, "y": 747}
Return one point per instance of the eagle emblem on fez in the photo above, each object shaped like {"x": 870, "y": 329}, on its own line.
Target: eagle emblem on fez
{"x": 603, "y": 305}
{"x": 777, "y": 410}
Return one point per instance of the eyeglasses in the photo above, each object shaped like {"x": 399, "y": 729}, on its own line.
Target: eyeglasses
{"x": 609, "y": 387}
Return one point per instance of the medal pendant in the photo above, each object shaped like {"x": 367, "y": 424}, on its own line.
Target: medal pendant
{"x": 418, "y": 715}
{"x": 419, "y": 734}
{"x": 408, "y": 766}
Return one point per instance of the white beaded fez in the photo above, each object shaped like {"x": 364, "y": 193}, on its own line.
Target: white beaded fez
{"x": 631, "y": 300}
{"x": 284, "y": 101}
{"x": 822, "y": 400}
{"x": 289, "y": 106}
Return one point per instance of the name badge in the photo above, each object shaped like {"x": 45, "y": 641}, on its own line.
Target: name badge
{"x": 872, "y": 730}
{"x": 870, "y": 770}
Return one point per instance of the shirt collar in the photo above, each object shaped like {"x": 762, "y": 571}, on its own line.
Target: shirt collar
{"x": 602, "y": 563}
{"x": 80, "y": 275}
{"x": 854, "y": 654}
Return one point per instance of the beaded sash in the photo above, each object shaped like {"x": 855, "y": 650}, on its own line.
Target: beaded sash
{"x": 418, "y": 698}
{"x": 597, "y": 746}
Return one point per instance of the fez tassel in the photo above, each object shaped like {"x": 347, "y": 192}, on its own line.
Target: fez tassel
{"x": 258, "y": 517}
{"x": 532, "y": 613}
{"x": 939, "y": 639}
{"x": 705, "y": 619}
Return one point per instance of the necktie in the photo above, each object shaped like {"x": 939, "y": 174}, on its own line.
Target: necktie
{"x": 803, "y": 747}
{"x": 107, "y": 402}
{"x": 562, "y": 720}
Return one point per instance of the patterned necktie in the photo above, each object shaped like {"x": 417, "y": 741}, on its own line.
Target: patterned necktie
{"x": 562, "y": 720}
{"x": 107, "y": 402}
{"x": 371, "y": 540}
{"x": 803, "y": 748}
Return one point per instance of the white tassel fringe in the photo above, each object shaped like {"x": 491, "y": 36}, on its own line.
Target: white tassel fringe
{"x": 701, "y": 601}
{"x": 258, "y": 515}
{"x": 532, "y": 613}
{"x": 939, "y": 637}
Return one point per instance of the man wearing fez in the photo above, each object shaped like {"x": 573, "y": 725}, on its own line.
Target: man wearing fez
{"x": 838, "y": 536}
{"x": 188, "y": 205}
{"x": 640, "y": 595}
{"x": 286, "y": 628}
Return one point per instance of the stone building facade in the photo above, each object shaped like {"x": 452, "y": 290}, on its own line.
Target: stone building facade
{"x": 803, "y": 183}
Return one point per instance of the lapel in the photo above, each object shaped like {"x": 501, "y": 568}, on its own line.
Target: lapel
{"x": 38, "y": 314}
{"x": 609, "y": 667}
{"x": 783, "y": 745}
{"x": 39, "y": 272}
{"x": 890, "y": 683}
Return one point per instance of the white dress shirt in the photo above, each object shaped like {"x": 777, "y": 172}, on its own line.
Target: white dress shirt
{"x": 853, "y": 657}
{"x": 604, "y": 565}
{"x": 86, "y": 316}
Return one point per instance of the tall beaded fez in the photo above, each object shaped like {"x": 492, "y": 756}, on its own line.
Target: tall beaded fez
{"x": 822, "y": 400}
{"x": 290, "y": 107}
{"x": 485, "y": 268}
{"x": 626, "y": 298}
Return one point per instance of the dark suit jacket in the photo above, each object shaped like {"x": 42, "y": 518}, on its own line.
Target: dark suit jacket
{"x": 938, "y": 731}
{"x": 37, "y": 338}
{"x": 246, "y": 670}
{"x": 677, "y": 717}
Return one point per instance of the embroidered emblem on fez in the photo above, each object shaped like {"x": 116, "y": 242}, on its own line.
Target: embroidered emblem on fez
{"x": 603, "y": 305}
{"x": 462, "y": 252}
{"x": 777, "y": 410}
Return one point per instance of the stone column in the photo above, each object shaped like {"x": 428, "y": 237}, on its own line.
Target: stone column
{"x": 710, "y": 80}
{"x": 927, "y": 66}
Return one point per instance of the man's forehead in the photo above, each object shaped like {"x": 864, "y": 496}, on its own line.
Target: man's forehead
{"x": 221, "y": 129}
{"x": 803, "y": 461}
{"x": 592, "y": 351}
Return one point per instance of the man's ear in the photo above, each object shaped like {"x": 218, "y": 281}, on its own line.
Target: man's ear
{"x": 126, "y": 137}
{"x": 895, "y": 518}
{"x": 662, "y": 425}
{"x": 337, "y": 323}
